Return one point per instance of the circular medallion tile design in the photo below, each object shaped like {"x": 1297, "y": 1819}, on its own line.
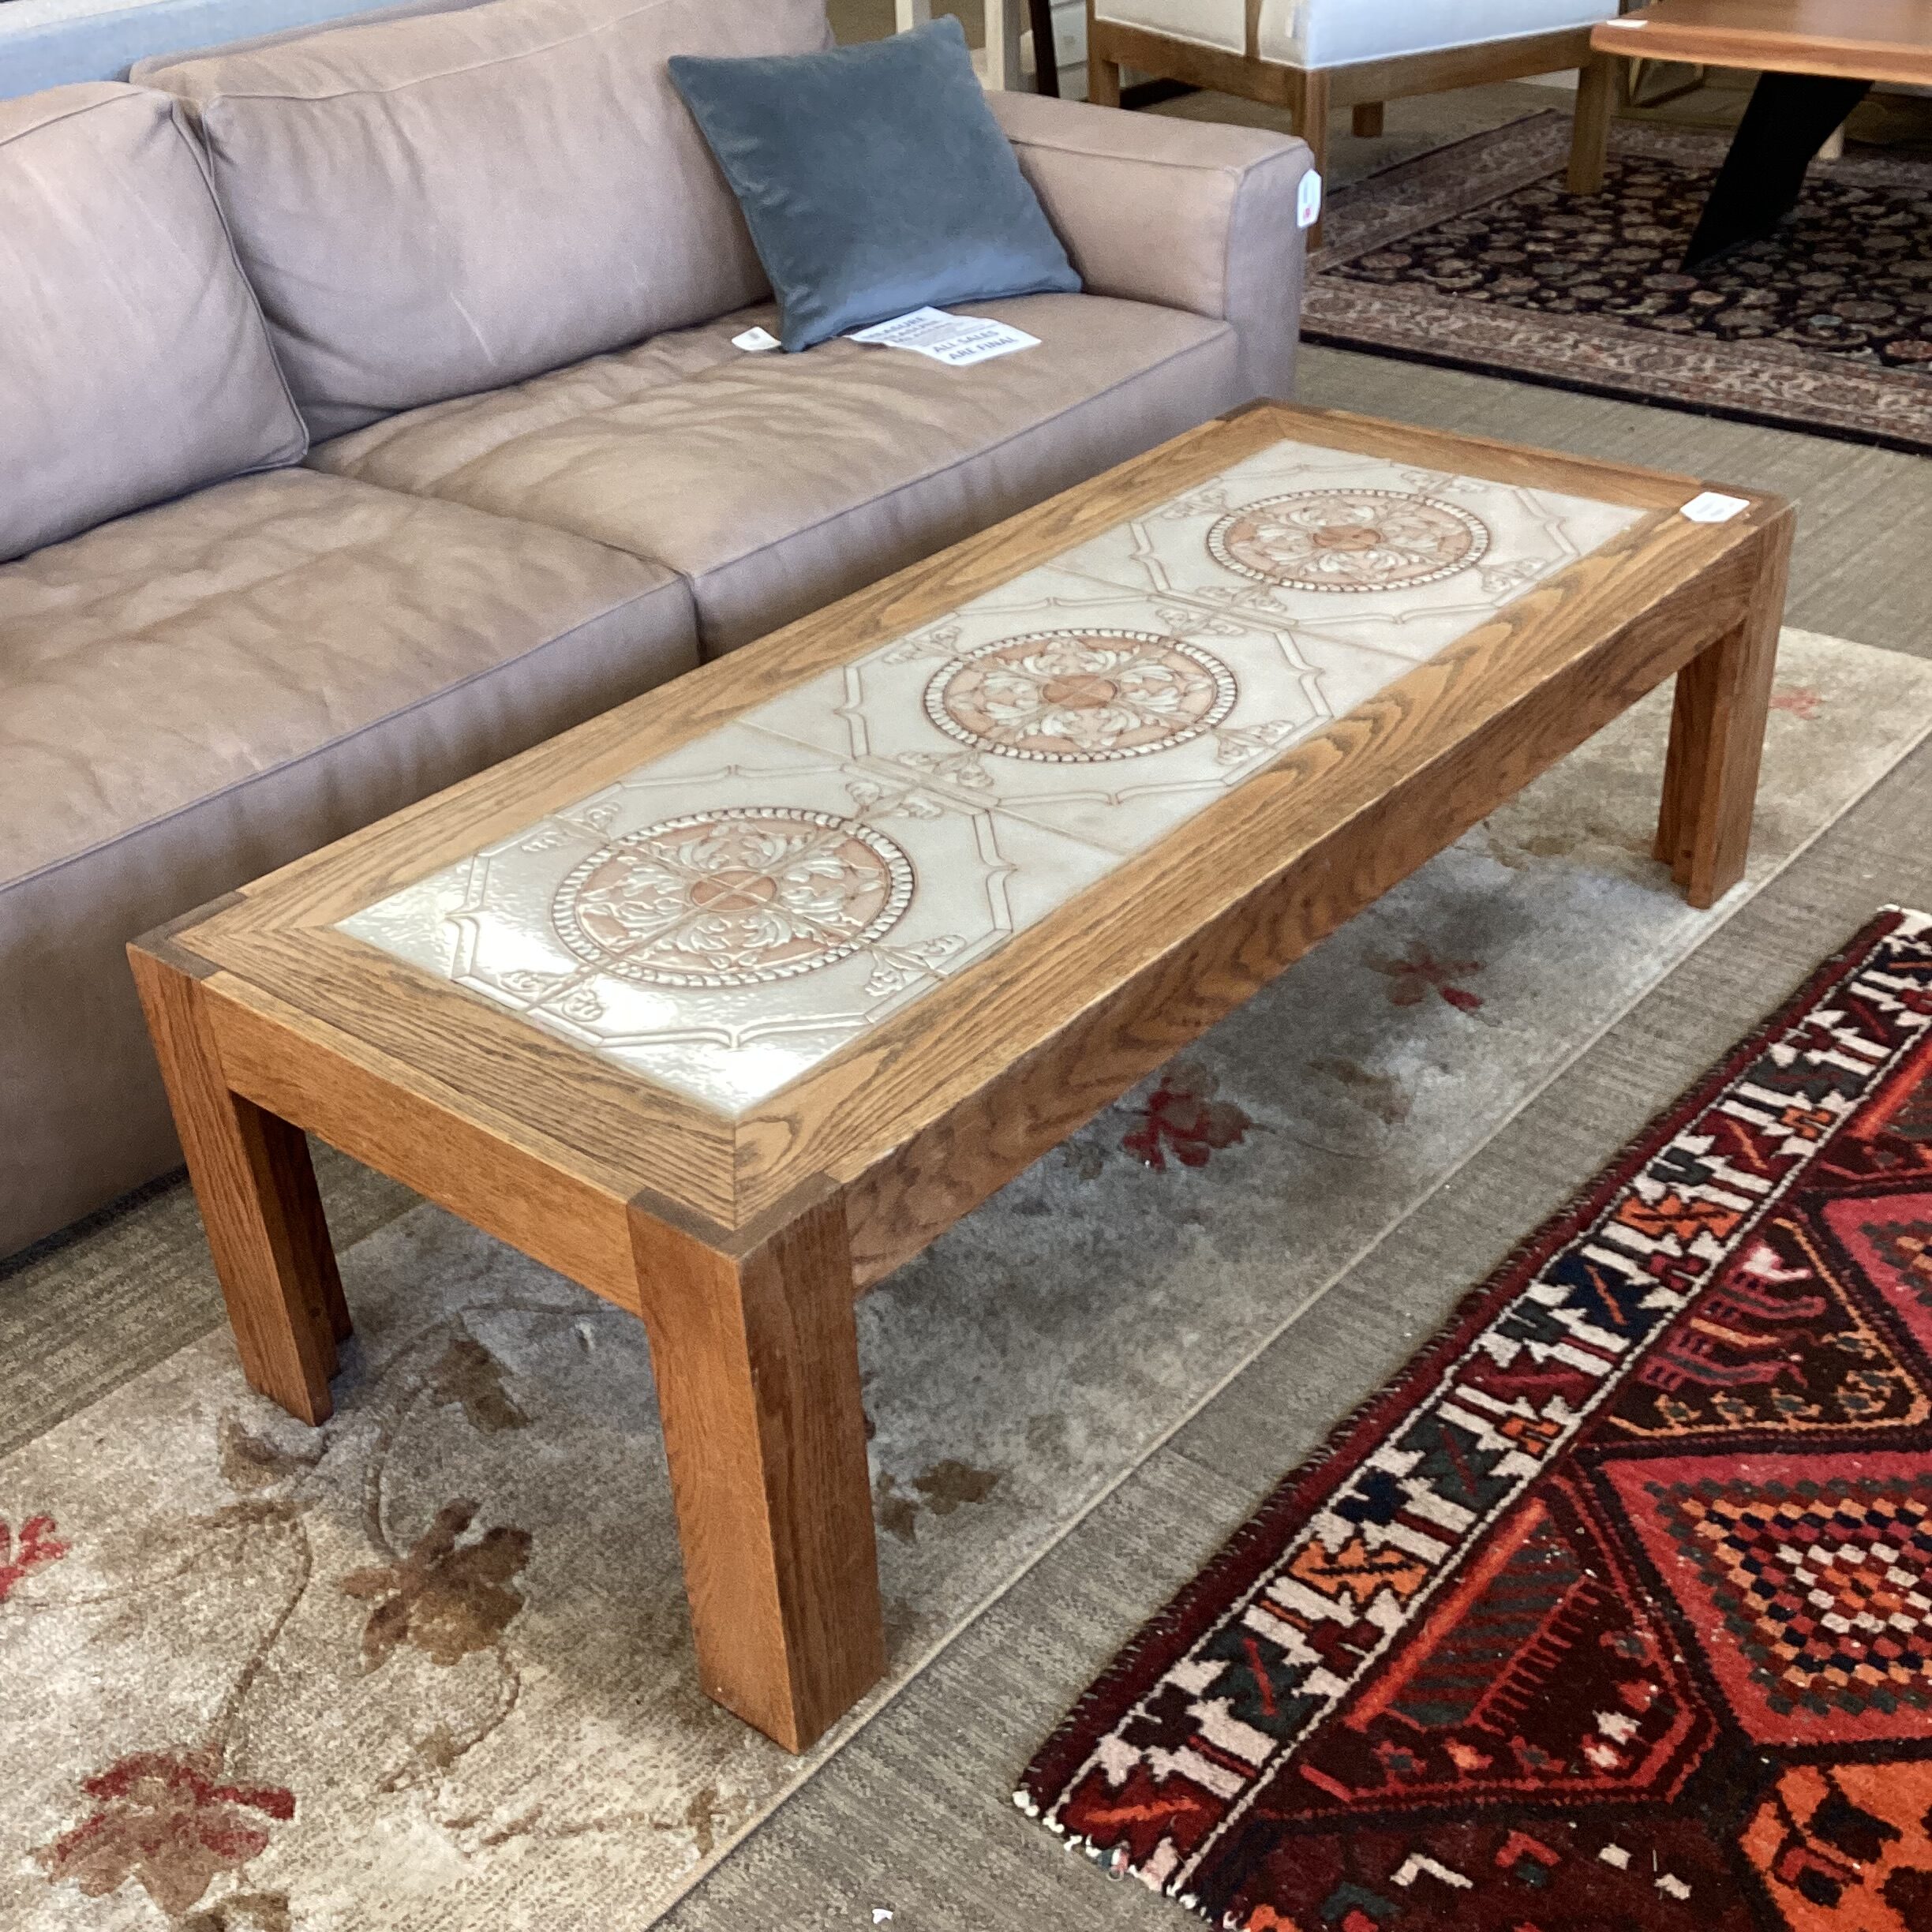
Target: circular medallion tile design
{"x": 734, "y": 898}
{"x": 1349, "y": 539}
{"x": 1081, "y": 697}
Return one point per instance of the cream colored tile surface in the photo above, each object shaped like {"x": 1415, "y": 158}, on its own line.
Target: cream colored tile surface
{"x": 723, "y": 918}
{"x": 1071, "y": 704}
{"x": 1375, "y": 554}
{"x": 727, "y": 916}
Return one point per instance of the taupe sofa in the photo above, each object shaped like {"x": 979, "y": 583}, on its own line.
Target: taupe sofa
{"x": 368, "y": 412}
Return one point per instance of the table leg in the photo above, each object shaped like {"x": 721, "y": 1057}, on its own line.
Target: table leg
{"x": 256, "y": 1191}
{"x": 756, "y": 1357}
{"x": 1787, "y": 122}
{"x": 1717, "y": 741}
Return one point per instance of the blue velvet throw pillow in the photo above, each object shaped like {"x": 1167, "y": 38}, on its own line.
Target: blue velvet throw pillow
{"x": 875, "y": 180}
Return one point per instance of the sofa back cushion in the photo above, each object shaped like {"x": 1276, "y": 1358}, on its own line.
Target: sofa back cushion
{"x": 134, "y": 365}
{"x": 433, "y": 206}
{"x": 146, "y": 72}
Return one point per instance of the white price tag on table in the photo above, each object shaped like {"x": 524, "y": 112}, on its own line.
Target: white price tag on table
{"x": 1713, "y": 507}
{"x": 957, "y": 341}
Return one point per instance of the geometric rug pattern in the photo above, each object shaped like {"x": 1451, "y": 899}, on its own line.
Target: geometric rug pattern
{"x": 1615, "y": 1609}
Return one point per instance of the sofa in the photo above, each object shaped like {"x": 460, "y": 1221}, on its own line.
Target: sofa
{"x": 46, "y": 43}
{"x": 372, "y": 412}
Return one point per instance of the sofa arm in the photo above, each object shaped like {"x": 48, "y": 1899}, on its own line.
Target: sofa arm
{"x": 1192, "y": 214}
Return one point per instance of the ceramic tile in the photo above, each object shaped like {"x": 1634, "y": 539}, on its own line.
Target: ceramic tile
{"x": 722, "y": 919}
{"x": 725, "y": 917}
{"x": 1059, "y": 701}
{"x": 1377, "y": 554}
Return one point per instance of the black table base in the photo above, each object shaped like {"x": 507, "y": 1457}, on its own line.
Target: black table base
{"x": 1790, "y": 117}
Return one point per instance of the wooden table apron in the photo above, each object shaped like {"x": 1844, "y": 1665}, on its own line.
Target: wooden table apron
{"x": 741, "y": 1243}
{"x": 1889, "y": 40}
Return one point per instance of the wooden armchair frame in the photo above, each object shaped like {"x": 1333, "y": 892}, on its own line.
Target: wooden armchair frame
{"x": 1310, "y": 93}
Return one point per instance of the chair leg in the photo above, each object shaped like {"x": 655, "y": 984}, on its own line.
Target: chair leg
{"x": 1309, "y": 103}
{"x": 1103, "y": 74}
{"x": 1590, "y": 140}
{"x": 1045, "y": 56}
{"x": 1367, "y": 122}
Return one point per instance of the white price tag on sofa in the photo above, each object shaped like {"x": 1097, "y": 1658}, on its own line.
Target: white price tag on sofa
{"x": 755, "y": 341}
{"x": 957, "y": 341}
{"x": 1308, "y": 200}
{"x": 1713, "y": 507}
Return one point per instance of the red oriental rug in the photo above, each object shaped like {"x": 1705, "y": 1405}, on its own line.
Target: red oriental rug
{"x": 1615, "y": 1611}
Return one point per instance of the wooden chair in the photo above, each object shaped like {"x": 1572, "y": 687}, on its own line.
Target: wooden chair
{"x": 1002, "y": 63}
{"x": 1274, "y": 51}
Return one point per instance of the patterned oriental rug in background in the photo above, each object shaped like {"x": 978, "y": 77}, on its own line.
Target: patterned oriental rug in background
{"x": 1615, "y": 1611}
{"x": 1476, "y": 255}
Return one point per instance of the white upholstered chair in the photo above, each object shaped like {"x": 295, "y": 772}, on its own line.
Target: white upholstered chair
{"x": 1310, "y": 56}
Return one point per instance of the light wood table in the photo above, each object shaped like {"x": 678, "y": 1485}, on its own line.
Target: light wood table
{"x": 1849, "y": 39}
{"x": 1816, "y": 60}
{"x": 727, "y": 1003}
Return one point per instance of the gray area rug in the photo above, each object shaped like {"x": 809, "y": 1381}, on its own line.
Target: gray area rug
{"x": 429, "y": 1666}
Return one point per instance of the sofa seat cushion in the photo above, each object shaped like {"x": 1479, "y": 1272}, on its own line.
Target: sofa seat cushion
{"x": 776, "y": 483}
{"x": 195, "y": 695}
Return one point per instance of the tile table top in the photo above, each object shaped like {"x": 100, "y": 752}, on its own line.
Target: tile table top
{"x": 722, "y": 918}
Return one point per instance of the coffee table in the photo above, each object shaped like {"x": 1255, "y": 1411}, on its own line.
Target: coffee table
{"x": 728, "y": 1002}
{"x": 1818, "y": 59}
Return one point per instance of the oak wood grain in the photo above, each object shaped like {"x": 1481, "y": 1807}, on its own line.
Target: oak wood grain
{"x": 618, "y": 1133}
{"x": 446, "y": 1143}
{"x": 1341, "y": 846}
{"x": 1717, "y": 726}
{"x": 1887, "y": 40}
{"x": 756, "y": 1360}
{"x": 739, "y": 1243}
{"x": 1627, "y": 615}
{"x": 1310, "y": 97}
{"x": 1590, "y": 139}
{"x": 256, "y": 1191}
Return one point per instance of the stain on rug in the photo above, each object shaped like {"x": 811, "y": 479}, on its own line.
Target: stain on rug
{"x": 430, "y": 1666}
{"x": 1616, "y": 1607}
{"x": 1476, "y": 255}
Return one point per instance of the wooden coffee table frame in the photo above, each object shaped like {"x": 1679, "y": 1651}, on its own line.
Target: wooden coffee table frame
{"x": 741, "y": 1243}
